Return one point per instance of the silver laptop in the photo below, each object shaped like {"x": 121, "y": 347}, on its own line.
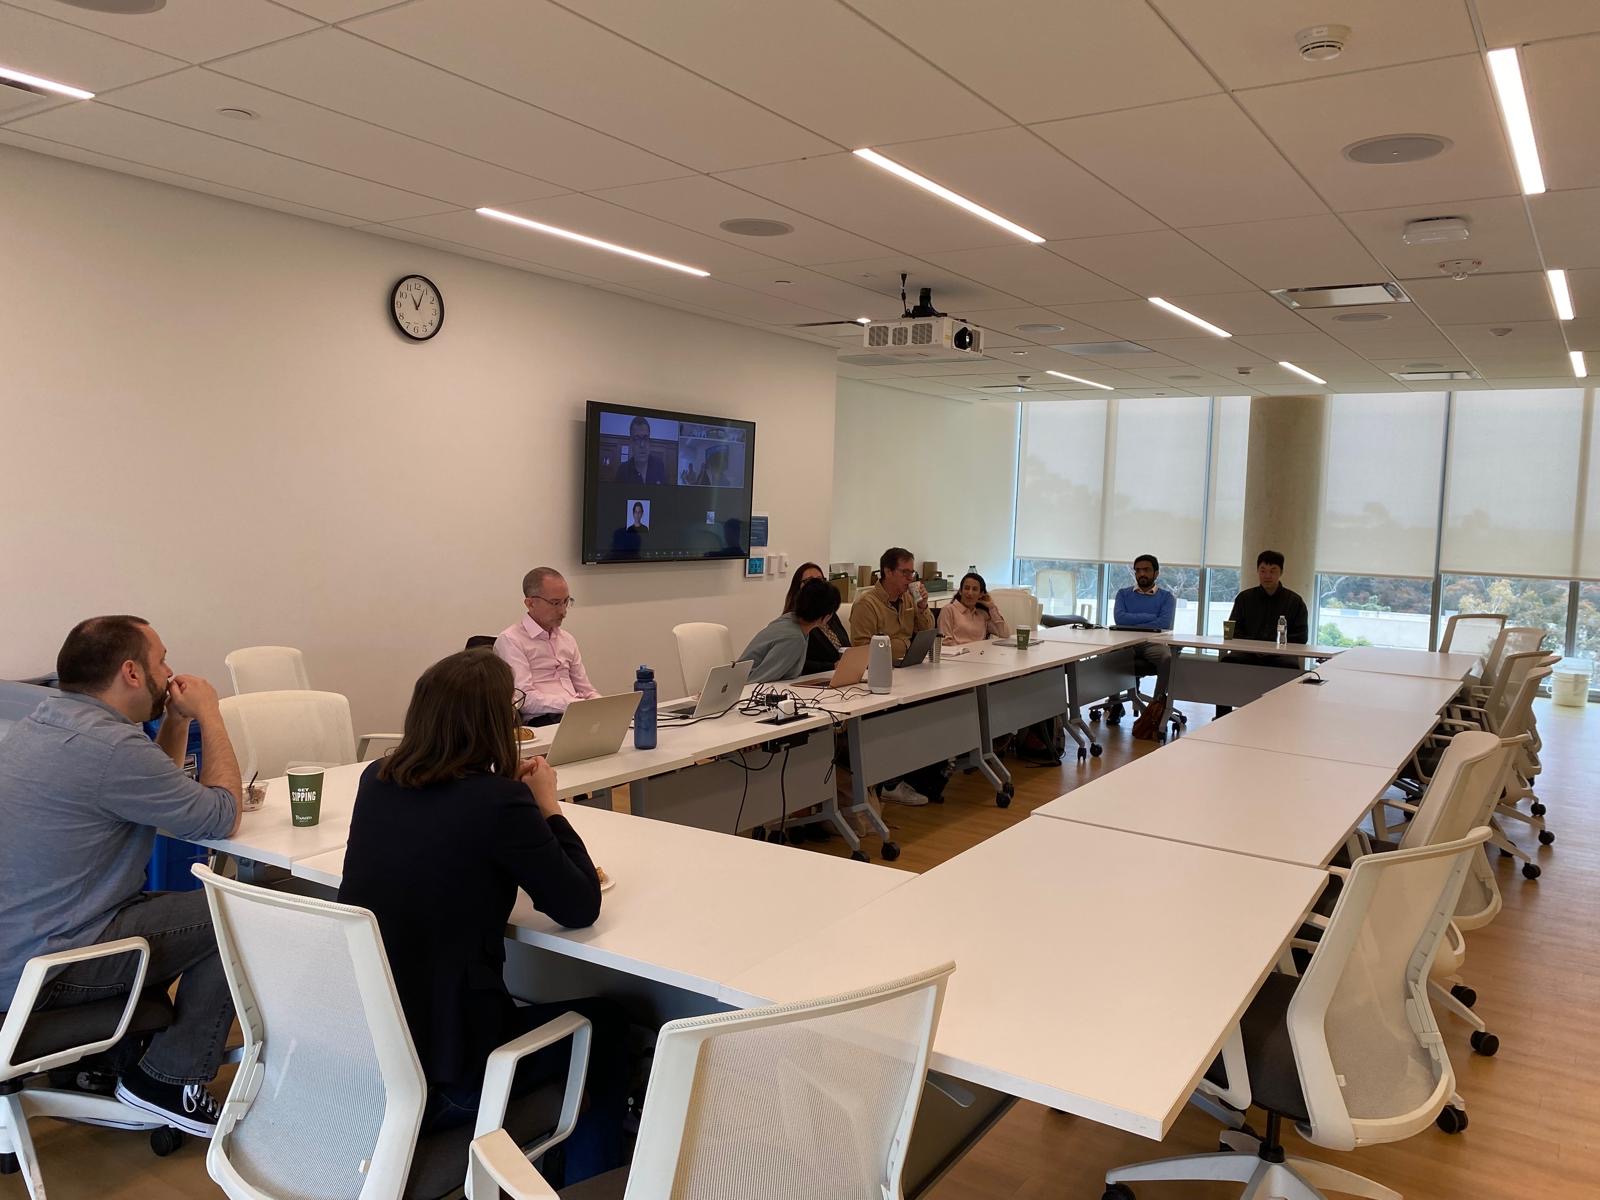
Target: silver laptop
{"x": 722, "y": 690}
{"x": 592, "y": 728}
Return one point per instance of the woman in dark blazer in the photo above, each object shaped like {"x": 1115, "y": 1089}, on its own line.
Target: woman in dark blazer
{"x": 446, "y": 828}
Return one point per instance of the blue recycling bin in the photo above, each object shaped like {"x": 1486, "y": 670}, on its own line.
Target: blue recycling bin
{"x": 170, "y": 859}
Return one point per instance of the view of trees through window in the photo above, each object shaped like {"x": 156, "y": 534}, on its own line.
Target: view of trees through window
{"x": 1524, "y": 601}
{"x": 1364, "y": 610}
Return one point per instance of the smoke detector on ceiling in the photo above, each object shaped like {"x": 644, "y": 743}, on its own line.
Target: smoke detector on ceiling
{"x": 1322, "y": 43}
{"x": 1460, "y": 268}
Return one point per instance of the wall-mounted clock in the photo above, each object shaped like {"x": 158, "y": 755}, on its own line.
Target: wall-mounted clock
{"x": 417, "y": 307}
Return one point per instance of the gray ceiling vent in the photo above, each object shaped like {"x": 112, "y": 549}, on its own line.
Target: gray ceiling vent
{"x": 1341, "y": 295}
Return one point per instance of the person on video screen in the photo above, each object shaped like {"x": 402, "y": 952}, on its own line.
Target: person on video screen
{"x": 715, "y": 471}
{"x": 638, "y": 524}
{"x": 642, "y": 466}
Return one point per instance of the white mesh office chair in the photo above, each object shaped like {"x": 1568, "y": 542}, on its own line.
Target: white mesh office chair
{"x": 329, "y": 1095}
{"x": 1017, "y": 606}
{"x": 1472, "y": 633}
{"x": 267, "y": 669}
{"x": 270, "y": 730}
{"x": 36, "y": 1044}
{"x": 1057, "y": 591}
{"x": 794, "y": 1102}
{"x": 702, "y": 645}
{"x": 1349, "y": 1050}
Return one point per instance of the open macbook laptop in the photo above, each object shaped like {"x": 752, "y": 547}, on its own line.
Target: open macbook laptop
{"x": 921, "y": 643}
{"x": 850, "y": 669}
{"x": 721, "y": 692}
{"x": 592, "y": 728}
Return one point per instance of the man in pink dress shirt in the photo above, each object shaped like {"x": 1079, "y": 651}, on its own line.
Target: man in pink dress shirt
{"x": 543, "y": 657}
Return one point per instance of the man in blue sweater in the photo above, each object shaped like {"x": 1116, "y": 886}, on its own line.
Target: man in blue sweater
{"x": 1145, "y": 606}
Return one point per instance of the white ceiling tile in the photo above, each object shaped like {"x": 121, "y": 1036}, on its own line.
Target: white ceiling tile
{"x": 173, "y": 179}
{"x": 1190, "y": 162}
{"x": 1569, "y": 227}
{"x": 1220, "y": 355}
{"x": 193, "y": 30}
{"x": 951, "y": 292}
{"x": 1585, "y": 288}
{"x": 815, "y": 290}
{"x": 1522, "y": 339}
{"x": 701, "y": 203}
{"x": 1563, "y": 82}
{"x": 1496, "y": 299}
{"x": 1296, "y": 252}
{"x": 141, "y": 139}
{"x": 876, "y": 90}
{"x": 1313, "y": 122}
{"x": 851, "y": 193}
{"x": 1250, "y": 45}
{"x": 1032, "y": 273}
{"x": 1004, "y": 321}
{"x": 1549, "y": 366}
{"x": 338, "y": 10}
{"x": 596, "y": 218}
{"x": 1134, "y": 320}
{"x": 1243, "y": 313}
{"x": 14, "y": 102}
{"x": 1020, "y": 176}
{"x": 303, "y": 131}
{"x": 1193, "y": 379}
{"x": 1308, "y": 344}
{"x": 1163, "y": 263}
{"x": 71, "y": 55}
{"x": 1424, "y": 362}
{"x": 362, "y": 79}
{"x": 1041, "y": 59}
{"x": 1148, "y": 360}
{"x": 717, "y": 296}
{"x": 547, "y": 56}
{"x": 1499, "y": 236}
{"x": 1510, "y": 22}
{"x": 916, "y": 368}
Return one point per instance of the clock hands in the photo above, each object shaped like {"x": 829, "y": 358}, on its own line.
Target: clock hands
{"x": 416, "y": 301}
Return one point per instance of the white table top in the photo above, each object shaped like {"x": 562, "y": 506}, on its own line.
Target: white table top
{"x": 1295, "y": 721}
{"x": 1105, "y": 639}
{"x": 690, "y": 907}
{"x": 1257, "y": 802}
{"x": 1423, "y": 663}
{"x": 1088, "y": 978}
{"x": 1374, "y": 690}
{"x": 267, "y": 835}
{"x": 1248, "y": 646}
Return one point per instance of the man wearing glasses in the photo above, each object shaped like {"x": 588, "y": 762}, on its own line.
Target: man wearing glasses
{"x": 544, "y": 659}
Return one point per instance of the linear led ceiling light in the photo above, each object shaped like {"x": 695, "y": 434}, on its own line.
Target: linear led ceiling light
{"x": 1559, "y": 294}
{"x": 1303, "y": 373}
{"x": 1104, "y": 387}
{"x": 44, "y": 85}
{"x": 1580, "y": 369}
{"x": 585, "y": 239}
{"x": 1506, "y": 72}
{"x": 1172, "y": 308}
{"x": 944, "y": 193}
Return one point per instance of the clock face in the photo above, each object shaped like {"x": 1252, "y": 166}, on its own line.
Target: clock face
{"x": 417, "y": 307}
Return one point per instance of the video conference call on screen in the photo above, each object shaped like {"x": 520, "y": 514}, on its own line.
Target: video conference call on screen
{"x": 665, "y": 486}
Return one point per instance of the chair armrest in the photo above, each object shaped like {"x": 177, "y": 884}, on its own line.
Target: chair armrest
{"x": 26, "y": 999}
{"x": 366, "y": 739}
{"x": 495, "y": 1165}
{"x": 502, "y": 1066}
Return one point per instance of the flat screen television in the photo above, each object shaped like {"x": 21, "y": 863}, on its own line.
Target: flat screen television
{"x": 663, "y": 486}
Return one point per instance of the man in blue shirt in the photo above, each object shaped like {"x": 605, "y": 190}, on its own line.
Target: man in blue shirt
{"x": 82, "y": 793}
{"x": 1145, "y": 606}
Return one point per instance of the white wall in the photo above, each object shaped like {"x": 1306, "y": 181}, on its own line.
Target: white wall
{"x": 209, "y": 421}
{"x": 933, "y": 475}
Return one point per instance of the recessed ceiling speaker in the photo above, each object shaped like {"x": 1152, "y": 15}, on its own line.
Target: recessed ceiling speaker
{"x": 755, "y": 227}
{"x": 1039, "y": 327}
{"x": 1393, "y": 148}
{"x": 1322, "y": 43}
{"x": 1362, "y": 318}
{"x": 126, "y": 8}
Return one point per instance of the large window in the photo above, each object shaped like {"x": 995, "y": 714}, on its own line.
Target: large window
{"x": 1586, "y": 642}
{"x": 1363, "y": 610}
{"x": 1524, "y": 601}
{"x": 1222, "y": 585}
{"x": 1062, "y": 586}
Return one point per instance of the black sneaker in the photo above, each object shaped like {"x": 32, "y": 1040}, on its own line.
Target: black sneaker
{"x": 187, "y": 1106}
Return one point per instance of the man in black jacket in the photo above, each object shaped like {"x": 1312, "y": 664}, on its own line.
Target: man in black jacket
{"x": 1255, "y": 616}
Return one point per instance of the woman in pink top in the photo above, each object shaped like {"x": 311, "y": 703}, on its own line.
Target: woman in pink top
{"x": 972, "y": 616}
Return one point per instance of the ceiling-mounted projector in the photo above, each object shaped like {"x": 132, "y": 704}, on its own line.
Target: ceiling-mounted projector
{"x": 924, "y": 332}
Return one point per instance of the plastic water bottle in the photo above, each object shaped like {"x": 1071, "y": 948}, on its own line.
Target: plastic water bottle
{"x": 644, "y": 717}
{"x": 880, "y": 665}
{"x": 1283, "y": 631}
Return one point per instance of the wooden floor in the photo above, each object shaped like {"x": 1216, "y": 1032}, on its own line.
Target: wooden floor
{"x": 1534, "y": 1107}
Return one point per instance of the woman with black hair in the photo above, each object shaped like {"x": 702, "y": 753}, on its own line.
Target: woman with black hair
{"x": 972, "y": 616}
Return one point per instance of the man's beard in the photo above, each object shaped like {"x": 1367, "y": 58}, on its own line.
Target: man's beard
{"x": 158, "y": 697}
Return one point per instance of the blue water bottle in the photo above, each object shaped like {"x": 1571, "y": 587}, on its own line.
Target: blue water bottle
{"x": 644, "y": 717}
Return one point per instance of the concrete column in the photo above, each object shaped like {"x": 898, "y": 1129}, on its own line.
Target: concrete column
{"x": 1283, "y": 488}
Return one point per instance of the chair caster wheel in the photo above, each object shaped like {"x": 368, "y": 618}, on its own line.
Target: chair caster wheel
{"x": 1001, "y": 800}
{"x": 1083, "y": 755}
{"x": 1010, "y": 789}
{"x": 1466, "y": 995}
{"x": 1095, "y": 749}
{"x": 775, "y": 836}
{"x": 1452, "y": 1119}
{"x": 1531, "y": 871}
{"x": 165, "y": 1141}
{"x": 1113, "y": 721}
{"x": 859, "y": 855}
{"x": 9, "y": 1164}
{"x": 1117, "y": 1191}
{"x": 1546, "y": 838}
{"x": 890, "y": 852}
{"x": 1485, "y": 1043}
{"x": 1096, "y": 713}
{"x": 759, "y": 834}
{"x": 1537, "y": 809}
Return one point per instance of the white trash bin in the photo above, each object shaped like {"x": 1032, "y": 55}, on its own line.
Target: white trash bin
{"x": 1569, "y": 682}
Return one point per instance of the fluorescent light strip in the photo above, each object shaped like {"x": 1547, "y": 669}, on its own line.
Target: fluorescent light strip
{"x": 863, "y": 320}
{"x": 944, "y": 193}
{"x": 540, "y": 227}
{"x": 1559, "y": 294}
{"x": 1579, "y": 368}
{"x": 1105, "y": 387}
{"x": 1172, "y": 308}
{"x": 1506, "y": 72}
{"x": 48, "y": 85}
{"x": 1303, "y": 373}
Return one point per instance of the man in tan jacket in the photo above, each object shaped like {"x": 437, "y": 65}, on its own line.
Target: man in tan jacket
{"x": 894, "y": 605}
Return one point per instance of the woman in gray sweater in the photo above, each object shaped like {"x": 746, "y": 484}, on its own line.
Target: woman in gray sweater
{"x": 779, "y": 651}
